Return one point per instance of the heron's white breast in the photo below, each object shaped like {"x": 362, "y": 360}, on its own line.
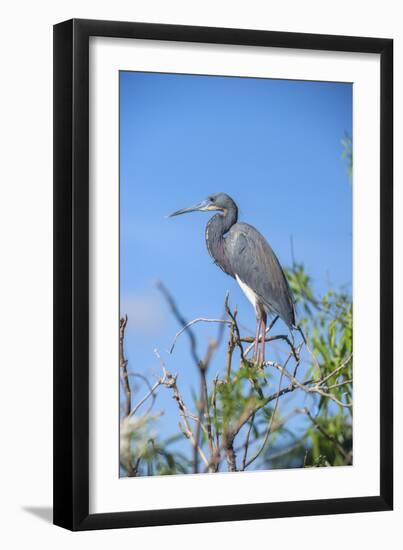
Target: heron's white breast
{"x": 247, "y": 291}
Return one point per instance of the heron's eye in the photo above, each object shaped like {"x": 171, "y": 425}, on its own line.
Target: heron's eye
{"x": 211, "y": 199}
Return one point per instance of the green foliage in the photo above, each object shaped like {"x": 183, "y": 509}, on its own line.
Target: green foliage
{"x": 237, "y": 412}
{"x": 328, "y": 326}
{"x": 235, "y": 396}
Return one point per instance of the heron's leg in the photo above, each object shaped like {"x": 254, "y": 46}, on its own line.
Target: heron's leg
{"x": 256, "y": 344}
{"x": 258, "y": 325}
{"x": 264, "y": 320}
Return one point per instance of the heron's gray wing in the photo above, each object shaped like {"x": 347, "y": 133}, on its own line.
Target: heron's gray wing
{"x": 256, "y": 265}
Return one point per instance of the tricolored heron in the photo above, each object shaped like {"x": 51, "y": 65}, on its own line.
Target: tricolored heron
{"x": 244, "y": 254}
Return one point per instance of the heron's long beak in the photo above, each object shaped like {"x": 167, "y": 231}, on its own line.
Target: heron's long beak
{"x": 201, "y": 207}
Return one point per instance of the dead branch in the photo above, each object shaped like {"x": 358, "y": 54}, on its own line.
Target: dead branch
{"x": 237, "y": 334}
{"x": 149, "y": 394}
{"x": 284, "y": 337}
{"x": 247, "y": 441}
{"x": 316, "y": 388}
{"x": 202, "y": 366}
{"x": 123, "y": 367}
{"x": 147, "y": 383}
{"x": 181, "y": 320}
{"x": 170, "y": 382}
{"x": 128, "y": 424}
{"x": 193, "y": 322}
{"x": 230, "y": 350}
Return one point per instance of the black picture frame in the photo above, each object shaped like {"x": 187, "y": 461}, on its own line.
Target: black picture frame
{"x": 72, "y": 285}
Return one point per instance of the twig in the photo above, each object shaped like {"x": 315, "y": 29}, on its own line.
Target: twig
{"x": 182, "y": 321}
{"x": 149, "y": 394}
{"x": 284, "y": 337}
{"x": 204, "y": 406}
{"x": 236, "y": 328}
{"x": 256, "y": 406}
{"x": 343, "y": 364}
{"x": 170, "y": 382}
{"x": 311, "y": 353}
{"x": 236, "y": 338}
{"x": 196, "y": 419}
{"x": 214, "y": 405}
{"x": 147, "y": 383}
{"x": 246, "y": 444}
{"x": 202, "y": 367}
{"x": 269, "y": 428}
{"x": 228, "y": 357}
{"x": 188, "y": 325}
{"x": 123, "y": 367}
{"x": 324, "y": 432}
{"x": 344, "y": 383}
{"x": 312, "y": 389}
{"x": 278, "y": 426}
{"x": 204, "y": 393}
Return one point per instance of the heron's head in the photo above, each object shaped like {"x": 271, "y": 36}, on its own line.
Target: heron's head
{"x": 219, "y": 201}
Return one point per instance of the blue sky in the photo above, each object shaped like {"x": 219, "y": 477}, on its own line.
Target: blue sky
{"x": 275, "y": 147}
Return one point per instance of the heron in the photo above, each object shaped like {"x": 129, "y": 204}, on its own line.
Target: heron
{"x": 244, "y": 254}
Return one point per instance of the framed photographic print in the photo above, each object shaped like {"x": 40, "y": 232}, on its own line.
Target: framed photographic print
{"x": 223, "y": 321}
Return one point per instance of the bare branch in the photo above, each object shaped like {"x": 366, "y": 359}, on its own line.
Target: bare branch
{"x": 214, "y": 405}
{"x": 188, "y": 325}
{"x": 247, "y": 440}
{"x": 170, "y": 382}
{"x": 182, "y": 321}
{"x": 336, "y": 371}
{"x": 230, "y": 350}
{"x": 123, "y": 367}
{"x": 147, "y": 383}
{"x": 284, "y": 337}
{"x": 149, "y": 394}
{"x": 237, "y": 335}
{"x": 317, "y": 387}
{"x": 311, "y": 353}
{"x": 344, "y": 383}
{"x": 204, "y": 393}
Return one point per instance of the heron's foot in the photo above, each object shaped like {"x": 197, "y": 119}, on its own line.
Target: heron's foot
{"x": 259, "y": 359}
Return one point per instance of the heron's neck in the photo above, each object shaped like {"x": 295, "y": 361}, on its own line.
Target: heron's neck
{"x": 216, "y": 228}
